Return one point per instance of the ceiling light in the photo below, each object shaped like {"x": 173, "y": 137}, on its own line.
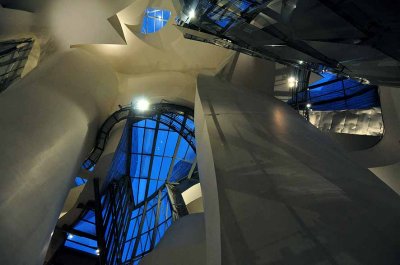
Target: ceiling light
{"x": 142, "y": 104}
{"x": 292, "y": 82}
{"x": 192, "y": 14}
{"x": 308, "y": 105}
{"x": 275, "y": 45}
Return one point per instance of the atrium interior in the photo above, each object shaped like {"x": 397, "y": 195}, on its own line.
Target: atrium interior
{"x": 199, "y": 132}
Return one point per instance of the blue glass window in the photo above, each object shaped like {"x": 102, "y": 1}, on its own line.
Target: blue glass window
{"x": 223, "y": 22}
{"x": 82, "y": 243}
{"x": 334, "y": 93}
{"x": 154, "y": 19}
{"x": 139, "y": 236}
{"x": 154, "y": 146}
{"x": 80, "y": 181}
{"x": 158, "y": 154}
{"x": 86, "y": 225}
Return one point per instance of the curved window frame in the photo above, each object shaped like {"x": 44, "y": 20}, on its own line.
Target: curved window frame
{"x": 148, "y": 219}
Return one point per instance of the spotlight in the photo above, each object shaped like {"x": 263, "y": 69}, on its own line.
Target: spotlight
{"x": 142, "y": 104}
{"x": 308, "y": 105}
{"x": 292, "y": 82}
{"x": 70, "y": 236}
{"x": 97, "y": 252}
{"x": 192, "y": 14}
{"x": 301, "y": 62}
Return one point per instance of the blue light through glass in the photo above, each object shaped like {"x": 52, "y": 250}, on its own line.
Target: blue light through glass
{"x": 339, "y": 95}
{"x": 86, "y": 225}
{"x": 158, "y": 154}
{"x": 82, "y": 243}
{"x": 147, "y": 215}
{"x": 80, "y": 181}
{"x": 172, "y": 157}
{"x": 223, "y": 22}
{"x": 154, "y": 19}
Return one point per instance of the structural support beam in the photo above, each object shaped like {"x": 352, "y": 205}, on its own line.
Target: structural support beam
{"x": 153, "y": 148}
{"x": 101, "y": 243}
{"x": 154, "y": 236}
{"x": 139, "y": 233}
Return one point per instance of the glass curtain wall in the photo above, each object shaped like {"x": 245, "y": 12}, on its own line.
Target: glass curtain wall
{"x": 154, "y": 152}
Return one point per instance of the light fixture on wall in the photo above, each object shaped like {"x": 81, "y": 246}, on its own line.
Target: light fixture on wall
{"x": 292, "y": 82}
{"x": 192, "y": 14}
{"x": 141, "y": 104}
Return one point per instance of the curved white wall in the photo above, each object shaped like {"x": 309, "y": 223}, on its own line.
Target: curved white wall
{"x": 49, "y": 121}
{"x": 278, "y": 191}
{"x": 175, "y": 87}
{"x": 183, "y": 243}
{"x": 387, "y": 151}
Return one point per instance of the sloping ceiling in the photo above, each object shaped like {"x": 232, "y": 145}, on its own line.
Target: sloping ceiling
{"x": 165, "y": 50}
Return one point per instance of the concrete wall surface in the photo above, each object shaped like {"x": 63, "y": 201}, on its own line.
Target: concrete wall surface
{"x": 284, "y": 192}
{"x": 183, "y": 243}
{"x": 49, "y": 123}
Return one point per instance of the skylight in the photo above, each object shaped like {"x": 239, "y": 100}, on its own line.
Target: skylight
{"x": 154, "y": 19}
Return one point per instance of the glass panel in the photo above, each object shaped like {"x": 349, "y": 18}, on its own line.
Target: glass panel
{"x": 80, "y": 181}
{"x": 145, "y": 181}
{"x": 171, "y": 143}
{"x": 151, "y": 124}
{"x": 144, "y": 172}
{"x": 148, "y": 141}
{"x": 155, "y": 169}
{"x": 166, "y": 163}
{"x": 183, "y": 146}
{"x": 154, "y": 20}
{"x": 161, "y": 141}
{"x": 190, "y": 155}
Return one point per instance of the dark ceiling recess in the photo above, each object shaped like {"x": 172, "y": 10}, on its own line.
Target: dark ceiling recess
{"x": 357, "y": 39}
